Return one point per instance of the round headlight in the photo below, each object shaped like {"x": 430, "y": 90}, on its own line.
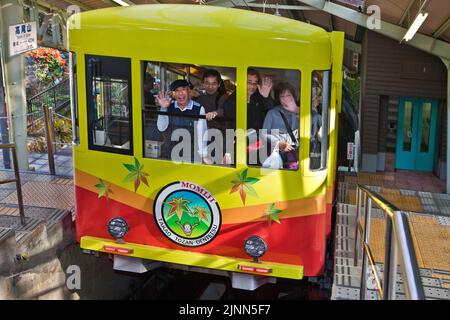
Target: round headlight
{"x": 118, "y": 228}
{"x": 255, "y": 247}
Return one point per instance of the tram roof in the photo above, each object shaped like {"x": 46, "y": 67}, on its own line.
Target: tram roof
{"x": 202, "y": 19}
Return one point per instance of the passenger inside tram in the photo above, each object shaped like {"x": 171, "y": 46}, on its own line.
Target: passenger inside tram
{"x": 281, "y": 127}
{"x": 183, "y": 117}
{"x": 163, "y": 140}
{"x": 261, "y": 103}
{"x": 316, "y": 124}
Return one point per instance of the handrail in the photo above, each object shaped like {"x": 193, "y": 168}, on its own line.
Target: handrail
{"x": 397, "y": 229}
{"x": 59, "y": 84}
{"x": 49, "y": 98}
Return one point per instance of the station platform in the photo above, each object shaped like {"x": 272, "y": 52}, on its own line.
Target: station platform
{"x": 47, "y": 199}
{"x": 421, "y": 196}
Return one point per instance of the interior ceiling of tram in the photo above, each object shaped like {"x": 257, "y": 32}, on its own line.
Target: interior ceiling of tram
{"x": 399, "y": 13}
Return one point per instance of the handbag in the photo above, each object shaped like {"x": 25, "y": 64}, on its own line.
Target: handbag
{"x": 290, "y": 158}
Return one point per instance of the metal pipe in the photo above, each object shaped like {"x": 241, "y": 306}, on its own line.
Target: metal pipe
{"x": 393, "y": 272}
{"x": 408, "y": 259}
{"x": 387, "y": 260}
{"x": 358, "y": 210}
{"x": 376, "y": 276}
{"x": 367, "y": 209}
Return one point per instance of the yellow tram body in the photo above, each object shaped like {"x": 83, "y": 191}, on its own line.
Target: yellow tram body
{"x": 210, "y": 36}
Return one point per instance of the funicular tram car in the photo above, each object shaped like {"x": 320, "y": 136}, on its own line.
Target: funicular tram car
{"x": 227, "y": 212}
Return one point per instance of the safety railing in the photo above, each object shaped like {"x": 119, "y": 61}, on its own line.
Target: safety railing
{"x": 16, "y": 180}
{"x": 398, "y": 244}
{"x": 55, "y": 97}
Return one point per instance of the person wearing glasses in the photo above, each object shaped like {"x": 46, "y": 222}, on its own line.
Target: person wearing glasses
{"x": 183, "y": 113}
{"x": 259, "y": 100}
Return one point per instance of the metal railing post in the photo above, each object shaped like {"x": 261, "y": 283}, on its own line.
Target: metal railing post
{"x": 18, "y": 186}
{"x": 357, "y": 213}
{"x": 16, "y": 180}
{"x": 49, "y": 138}
{"x": 368, "y": 209}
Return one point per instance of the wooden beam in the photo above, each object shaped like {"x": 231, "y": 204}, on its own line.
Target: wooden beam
{"x": 79, "y": 4}
{"x": 442, "y": 28}
{"x": 405, "y": 14}
{"x": 420, "y": 41}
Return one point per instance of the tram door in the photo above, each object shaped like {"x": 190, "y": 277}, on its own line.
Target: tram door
{"x": 416, "y": 134}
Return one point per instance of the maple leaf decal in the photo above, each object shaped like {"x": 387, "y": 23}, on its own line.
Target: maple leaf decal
{"x": 178, "y": 207}
{"x": 103, "y": 189}
{"x": 137, "y": 174}
{"x": 243, "y": 185}
{"x": 272, "y": 214}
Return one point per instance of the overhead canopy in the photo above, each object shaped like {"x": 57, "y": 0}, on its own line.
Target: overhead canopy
{"x": 349, "y": 16}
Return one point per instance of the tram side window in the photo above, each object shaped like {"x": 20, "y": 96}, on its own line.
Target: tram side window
{"x": 183, "y": 112}
{"x": 273, "y": 118}
{"x": 320, "y": 115}
{"x": 74, "y": 98}
{"x": 109, "y": 104}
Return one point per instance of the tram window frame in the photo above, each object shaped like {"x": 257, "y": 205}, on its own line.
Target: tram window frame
{"x": 295, "y": 76}
{"x": 74, "y": 98}
{"x": 163, "y": 73}
{"x": 114, "y": 70}
{"x": 325, "y": 126}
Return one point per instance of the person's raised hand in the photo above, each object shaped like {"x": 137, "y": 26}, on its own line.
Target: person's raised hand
{"x": 265, "y": 87}
{"x": 163, "y": 99}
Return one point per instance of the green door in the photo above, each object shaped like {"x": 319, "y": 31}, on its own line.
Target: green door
{"x": 416, "y": 134}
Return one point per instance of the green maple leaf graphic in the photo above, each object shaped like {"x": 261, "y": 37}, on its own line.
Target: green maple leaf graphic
{"x": 137, "y": 174}
{"x": 103, "y": 189}
{"x": 272, "y": 214}
{"x": 243, "y": 185}
{"x": 178, "y": 207}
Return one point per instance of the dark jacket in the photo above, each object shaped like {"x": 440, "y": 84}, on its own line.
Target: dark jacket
{"x": 256, "y": 110}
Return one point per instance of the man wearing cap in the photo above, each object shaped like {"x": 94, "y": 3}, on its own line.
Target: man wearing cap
{"x": 182, "y": 114}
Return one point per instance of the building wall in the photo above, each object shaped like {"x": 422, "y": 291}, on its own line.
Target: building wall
{"x": 392, "y": 70}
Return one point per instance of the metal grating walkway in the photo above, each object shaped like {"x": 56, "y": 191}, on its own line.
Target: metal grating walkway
{"x": 47, "y": 200}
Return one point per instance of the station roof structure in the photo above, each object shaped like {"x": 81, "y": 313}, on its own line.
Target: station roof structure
{"x": 350, "y": 16}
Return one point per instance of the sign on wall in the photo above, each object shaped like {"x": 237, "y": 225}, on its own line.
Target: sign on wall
{"x": 22, "y": 38}
{"x": 350, "y": 151}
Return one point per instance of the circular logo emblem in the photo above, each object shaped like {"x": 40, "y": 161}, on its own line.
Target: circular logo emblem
{"x": 187, "y": 214}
